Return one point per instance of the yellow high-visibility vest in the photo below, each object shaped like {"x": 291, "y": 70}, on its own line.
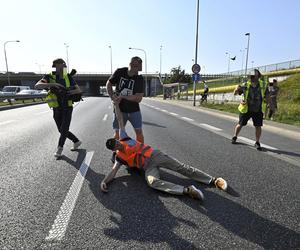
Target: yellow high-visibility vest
{"x": 51, "y": 97}
{"x": 243, "y": 107}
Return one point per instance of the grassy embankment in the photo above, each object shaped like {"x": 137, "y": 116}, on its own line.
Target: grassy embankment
{"x": 288, "y": 101}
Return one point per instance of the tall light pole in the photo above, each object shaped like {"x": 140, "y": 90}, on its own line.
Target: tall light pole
{"x": 67, "y": 46}
{"x": 110, "y": 58}
{"x": 145, "y": 67}
{"x": 243, "y": 55}
{"x": 160, "y": 60}
{"x": 227, "y": 53}
{"x": 196, "y": 53}
{"x": 247, "y": 34}
{"x": 252, "y": 62}
{"x": 15, "y": 41}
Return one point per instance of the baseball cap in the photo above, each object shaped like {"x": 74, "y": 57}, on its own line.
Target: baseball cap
{"x": 58, "y": 61}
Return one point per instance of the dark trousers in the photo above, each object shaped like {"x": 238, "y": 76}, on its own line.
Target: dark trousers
{"x": 62, "y": 117}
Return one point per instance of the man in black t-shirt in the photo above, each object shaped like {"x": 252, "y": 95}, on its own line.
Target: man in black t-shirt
{"x": 129, "y": 91}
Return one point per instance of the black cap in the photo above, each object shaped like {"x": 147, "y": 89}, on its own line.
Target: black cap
{"x": 58, "y": 61}
{"x": 111, "y": 143}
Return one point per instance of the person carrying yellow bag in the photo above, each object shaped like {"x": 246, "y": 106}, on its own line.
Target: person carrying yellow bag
{"x": 61, "y": 86}
{"x": 252, "y": 106}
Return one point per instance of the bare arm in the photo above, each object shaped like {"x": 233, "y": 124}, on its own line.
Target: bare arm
{"x": 110, "y": 176}
{"x": 134, "y": 98}
{"x": 119, "y": 117}
{"x": 110, "y": 90}
{"x": 43, "y": 84}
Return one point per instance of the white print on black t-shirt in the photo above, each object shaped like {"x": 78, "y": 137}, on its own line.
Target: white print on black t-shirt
{"x": 126, "y": 87}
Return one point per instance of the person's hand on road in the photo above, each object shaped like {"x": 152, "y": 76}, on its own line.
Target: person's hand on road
{"x": 103, "y": 187}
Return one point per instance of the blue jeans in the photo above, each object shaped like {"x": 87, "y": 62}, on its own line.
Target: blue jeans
{"x": 134, "y": 118}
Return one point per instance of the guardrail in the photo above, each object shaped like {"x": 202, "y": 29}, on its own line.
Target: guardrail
{"x": 11, "y": 98}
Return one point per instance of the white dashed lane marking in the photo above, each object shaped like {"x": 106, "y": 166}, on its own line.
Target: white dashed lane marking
{"x": 60, "y": 225}
{"x": 188, "y": 119}
{"x": 105, "y": 117}
{"x": 210, "y": 127}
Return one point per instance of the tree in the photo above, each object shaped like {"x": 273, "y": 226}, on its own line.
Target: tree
{"x": 178, "y": 75}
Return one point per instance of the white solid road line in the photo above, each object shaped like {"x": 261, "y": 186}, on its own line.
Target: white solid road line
{"x": 7, "y": 122}
{"x": 60, "y": 224}
{"x": 251, "y": 142}
{"x": 105, "y": 117}
{"x": 210, "y": 127}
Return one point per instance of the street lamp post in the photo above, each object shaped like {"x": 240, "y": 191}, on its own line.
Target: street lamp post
{"x": 145, "y": 66}
{"x": 15, "y": 41}
{"x": 67, "y": 46}
{"x": 227, "y": 53}
{"x": 243, "y": 55}
{"x": 196, "y": 53}
{"x": 110, "y": 58}
{"x": 247, "y": 34}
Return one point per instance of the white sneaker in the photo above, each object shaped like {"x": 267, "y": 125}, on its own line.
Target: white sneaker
{"x": 221, "y": 183}
{"x": 76, "y": 145}
{"x": 58, "y": 153}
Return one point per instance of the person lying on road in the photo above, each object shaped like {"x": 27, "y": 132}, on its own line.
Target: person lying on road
{"x": 134, "y": 154}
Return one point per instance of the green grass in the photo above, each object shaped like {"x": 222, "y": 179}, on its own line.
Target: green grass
{"x": 288, "y": 102}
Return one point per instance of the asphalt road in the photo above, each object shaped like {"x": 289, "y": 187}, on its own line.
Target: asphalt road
{"x": 57, "y": 204}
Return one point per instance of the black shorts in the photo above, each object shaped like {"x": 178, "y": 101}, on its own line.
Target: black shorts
{"x": 257, "y": 118}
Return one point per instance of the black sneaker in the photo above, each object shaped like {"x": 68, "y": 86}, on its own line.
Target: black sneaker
{"x": 193, "y": 192}
{"x": 233, "y": 140}
{"x": 113, "y": 157}
{"x": 257, "y": 146}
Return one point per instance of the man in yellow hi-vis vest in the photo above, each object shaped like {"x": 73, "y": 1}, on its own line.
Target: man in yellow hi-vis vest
{"x": 60, "y": 86}
{"x": 252, "y": 106}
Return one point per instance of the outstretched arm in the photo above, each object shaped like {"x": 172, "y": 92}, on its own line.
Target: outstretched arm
{"x": 110, "y": 176}
{"x": 119, "y": 117}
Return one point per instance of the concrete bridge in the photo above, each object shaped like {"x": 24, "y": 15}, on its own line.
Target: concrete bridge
{"x": 90, "y": 83}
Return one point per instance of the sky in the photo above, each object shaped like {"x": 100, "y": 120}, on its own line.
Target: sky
{"x": 164, "y": 29}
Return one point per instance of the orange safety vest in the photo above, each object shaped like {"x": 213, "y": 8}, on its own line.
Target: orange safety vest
{"x": 135, "y": 155}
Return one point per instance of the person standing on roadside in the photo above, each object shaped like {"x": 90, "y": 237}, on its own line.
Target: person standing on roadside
{"x": 271, "y": 96}
{"x": 252, "y": 106}
{"x": 129, "y": 92}
{"x": 61, "y": 86}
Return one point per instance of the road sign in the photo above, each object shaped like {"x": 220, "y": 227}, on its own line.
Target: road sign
{"x": 196, "y": 77}
{"x": 196, "y": 68}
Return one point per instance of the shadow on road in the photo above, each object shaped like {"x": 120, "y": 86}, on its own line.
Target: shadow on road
{"x": 153, "y": 124}
{"x": 141, "y": 216}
